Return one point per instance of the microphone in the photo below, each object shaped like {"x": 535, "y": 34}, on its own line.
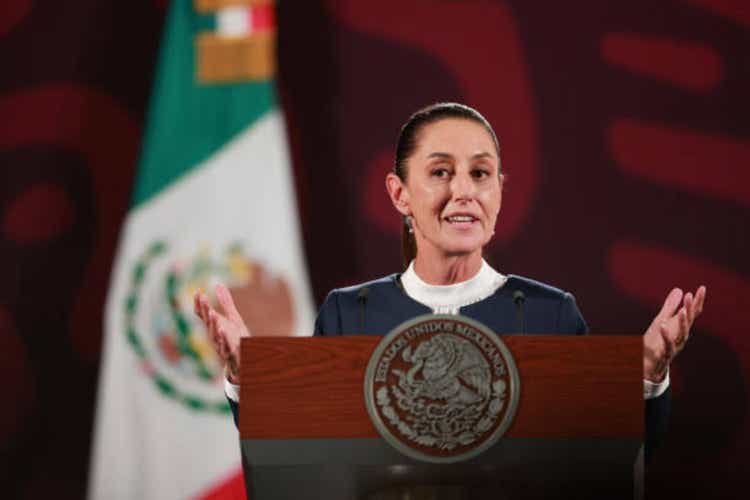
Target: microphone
{"x": 519, "y": 298}
{"x": 362, "y": 300}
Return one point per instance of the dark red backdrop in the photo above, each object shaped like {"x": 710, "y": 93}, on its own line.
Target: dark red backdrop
{"x": 625, "y": 138}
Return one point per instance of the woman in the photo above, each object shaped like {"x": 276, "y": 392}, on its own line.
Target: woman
{"x": 447, "y": 185}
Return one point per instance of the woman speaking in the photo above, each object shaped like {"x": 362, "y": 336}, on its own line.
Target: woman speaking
{"x": 447, "y": 184}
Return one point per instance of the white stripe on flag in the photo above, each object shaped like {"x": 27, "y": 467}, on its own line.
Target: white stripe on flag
{"x": 233, "y": 21}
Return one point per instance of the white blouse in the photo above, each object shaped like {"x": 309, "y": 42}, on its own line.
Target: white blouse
{"x": 448, "y": 299}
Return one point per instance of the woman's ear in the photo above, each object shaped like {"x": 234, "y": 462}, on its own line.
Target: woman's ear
{"x": 398, "y": 193}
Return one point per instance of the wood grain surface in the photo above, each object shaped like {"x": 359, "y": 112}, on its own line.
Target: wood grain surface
{"x": 589, "y": 386}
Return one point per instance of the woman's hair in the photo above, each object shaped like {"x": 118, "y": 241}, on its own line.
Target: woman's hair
{"x": 407, "y": 143}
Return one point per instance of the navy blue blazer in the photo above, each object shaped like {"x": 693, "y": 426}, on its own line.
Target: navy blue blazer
{"x": 385, "y": 305}
{"x": 376, "y": 307}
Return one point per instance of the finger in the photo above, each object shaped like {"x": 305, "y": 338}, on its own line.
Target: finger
{"x": 200, "y": 305}
{"x": 671, "y": 303}
{"x": 203, "y": 303}
{"x": 220, "y": 337}
{"x": 213, "y": 323}
{"x": 700, "y": 298}
{"x": 688, "y": 305}
{"x": 215, "y": 339}
{"x": 208, "y": 308}
{"x": 217, "y": 329}
{"x": 213, "y": 335}
{"x": 684, "y": 328}
{"x": 227, "y": 303}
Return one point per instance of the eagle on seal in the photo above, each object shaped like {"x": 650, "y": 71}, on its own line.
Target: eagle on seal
{"x": 446, "y": 368}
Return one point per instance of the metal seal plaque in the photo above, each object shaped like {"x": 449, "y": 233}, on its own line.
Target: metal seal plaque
{"x": 441, "y": 388}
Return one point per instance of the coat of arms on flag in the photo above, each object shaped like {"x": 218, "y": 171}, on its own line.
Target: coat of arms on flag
{"x": 170, "y": 342}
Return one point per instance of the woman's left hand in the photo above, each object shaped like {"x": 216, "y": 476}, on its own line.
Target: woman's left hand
{"x": 669, "y": 331}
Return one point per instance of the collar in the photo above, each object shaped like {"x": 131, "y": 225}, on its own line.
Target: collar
{"x": 448, "y": 299}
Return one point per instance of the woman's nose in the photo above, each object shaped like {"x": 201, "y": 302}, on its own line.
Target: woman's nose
{"x": 463, "y": 186}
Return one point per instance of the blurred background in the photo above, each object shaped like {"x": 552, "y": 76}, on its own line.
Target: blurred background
{"x": 625, "y": 139}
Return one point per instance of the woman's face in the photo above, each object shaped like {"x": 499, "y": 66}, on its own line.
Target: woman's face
{"x": 452, "y": 189}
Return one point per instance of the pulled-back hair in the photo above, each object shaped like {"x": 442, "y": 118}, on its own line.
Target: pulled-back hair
{"x": 407, "y": 143}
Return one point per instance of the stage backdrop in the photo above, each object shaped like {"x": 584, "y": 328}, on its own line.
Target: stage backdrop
{"x": 624, "y": 137}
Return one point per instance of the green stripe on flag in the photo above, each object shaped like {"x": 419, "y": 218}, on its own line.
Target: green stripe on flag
{"x": 188, "y": 122}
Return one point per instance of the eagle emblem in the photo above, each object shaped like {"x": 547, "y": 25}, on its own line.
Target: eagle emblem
{"x": 441, "y": 388}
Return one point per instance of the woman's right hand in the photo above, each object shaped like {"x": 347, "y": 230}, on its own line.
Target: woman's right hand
{"x": 225, "y": 328}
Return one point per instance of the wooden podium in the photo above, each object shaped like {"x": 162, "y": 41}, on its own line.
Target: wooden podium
{"x": 305, "y": 431}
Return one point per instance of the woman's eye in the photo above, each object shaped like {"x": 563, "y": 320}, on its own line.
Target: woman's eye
{"x": 440, "y": 173}
{"x": 480, "y": 173}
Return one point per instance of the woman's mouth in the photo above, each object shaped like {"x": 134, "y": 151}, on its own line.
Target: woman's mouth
{"x": 461, "y": 221}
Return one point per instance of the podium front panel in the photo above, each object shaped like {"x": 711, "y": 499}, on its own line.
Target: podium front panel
{"x": 306, "y": 433}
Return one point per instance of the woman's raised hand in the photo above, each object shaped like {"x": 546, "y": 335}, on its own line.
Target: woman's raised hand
{"x": 669, "y": 331}
{"x": 225, "y": 329}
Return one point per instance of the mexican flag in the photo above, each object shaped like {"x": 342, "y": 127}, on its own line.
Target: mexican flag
{"x": 213, "y": 202}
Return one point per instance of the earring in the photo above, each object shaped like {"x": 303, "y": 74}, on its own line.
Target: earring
{"x": 409, "y": 224}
